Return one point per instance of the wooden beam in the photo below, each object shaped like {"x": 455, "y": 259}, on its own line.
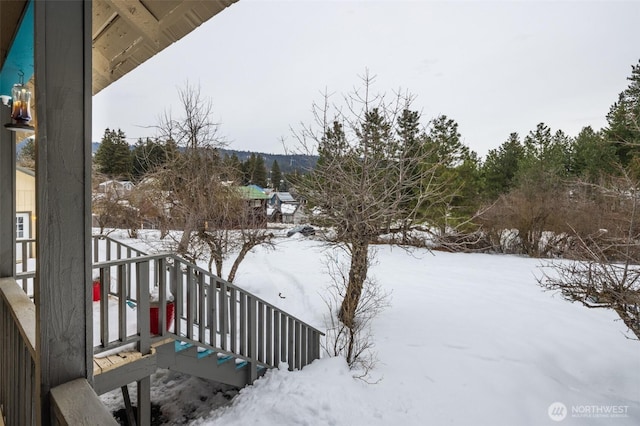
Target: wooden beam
{"x": 7, "y": 196}
{"x": 140, "y": 18}
{"x": 63, "y": 292}
{"x": 144, "y": 401}
{"x": 101, "y": 71}
{"x": 103, "y": 15}
{"x": 132, "y": 368}
{"x": 76, "y": 403}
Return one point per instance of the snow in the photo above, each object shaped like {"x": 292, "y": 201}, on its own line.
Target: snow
{"x": 132, "y": 326}
{"x": 288, "y": 208}
{"x": 468, "y": 339}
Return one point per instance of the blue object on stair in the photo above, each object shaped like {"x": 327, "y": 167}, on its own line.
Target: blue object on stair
{"x": 205, "y": 353}
{"x": 223, "y": 359}
{"x": 181, "y": 346}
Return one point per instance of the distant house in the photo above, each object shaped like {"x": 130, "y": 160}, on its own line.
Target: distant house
{"x": 25, "y": 208}
{"x": 257, "y": 200}
{"x": 115, "y": 187}
{"x": 284, "y": 208}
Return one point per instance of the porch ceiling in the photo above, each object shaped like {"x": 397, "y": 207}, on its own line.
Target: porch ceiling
{"x": 125, "y": 33}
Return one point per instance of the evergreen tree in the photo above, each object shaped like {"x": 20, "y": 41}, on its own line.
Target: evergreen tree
{"x": 457, "y": 173}
{"x": 147, "y": 156}
{"x": 412, "y": 142}
{"x": 276, "y": 175}
{"x": 546, "y": 159}
{"x": 254, "y": 171}
{"x": 501, "y": 167}
{"x": 27, "y": 156}
{"x": 592, "y": 157}
{"x": 260, "y": 173}
{"x": 232, "y": 168}
{"x": 113, "y": 157}
{"x": 446, "y": 142}
{"x": 623, "y": 119}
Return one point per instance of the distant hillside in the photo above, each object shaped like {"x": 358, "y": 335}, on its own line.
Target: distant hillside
{"x": 287, "y": 163}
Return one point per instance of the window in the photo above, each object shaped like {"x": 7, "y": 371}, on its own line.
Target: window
{"x": 20, "y": 227}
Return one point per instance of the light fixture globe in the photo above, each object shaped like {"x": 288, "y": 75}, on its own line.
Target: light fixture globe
{"x": 20, "y": 110}
{"x": 20, "y": 107}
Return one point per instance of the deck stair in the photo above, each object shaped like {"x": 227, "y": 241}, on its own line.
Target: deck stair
{"x": 219, "y": 331}
{"x": 205, "y": 363}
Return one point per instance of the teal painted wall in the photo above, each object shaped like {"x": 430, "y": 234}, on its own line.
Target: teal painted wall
{"x": 20, "y": 57}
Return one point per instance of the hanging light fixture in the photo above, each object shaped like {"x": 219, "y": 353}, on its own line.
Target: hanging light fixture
{"x": 20, "y": 107}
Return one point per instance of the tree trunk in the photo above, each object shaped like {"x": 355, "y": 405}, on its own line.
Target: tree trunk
{"x": 189, "y": 227}
{"x": 218, "y": 262}
{"x": 357, "y": 276}
{"x": 236, "y": 263}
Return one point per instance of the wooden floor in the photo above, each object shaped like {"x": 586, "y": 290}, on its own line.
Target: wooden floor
{"x": 104, "y": 364}
{"x": 114, "y": 371}
{"x": 108, "y": 363}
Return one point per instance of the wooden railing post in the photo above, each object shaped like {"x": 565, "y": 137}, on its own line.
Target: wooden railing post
{"x": 224, "y": 323}
{"x": 161, "y": 281}
{"x": 252, "y": 330}
{"x": 176, "y": 287}
{"x": 142, "y": 294}
{"x": 191, "y": 298}
{"x": 291, "y": 344}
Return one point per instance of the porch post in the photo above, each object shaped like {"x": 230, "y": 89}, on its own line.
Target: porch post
{"x": 7, "y": 196}
{"x": 63, "y": 181}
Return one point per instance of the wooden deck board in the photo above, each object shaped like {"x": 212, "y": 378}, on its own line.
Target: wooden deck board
{"x": 108, "y": 363}
{"x": 102, "y": 365}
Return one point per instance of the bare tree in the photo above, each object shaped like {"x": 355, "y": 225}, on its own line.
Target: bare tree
{"x": 339, "y": 339}
{"x": 113, "y": 206}
{"x": 533, "y": 221}
{"x": 193, "y": 175}
{"x": 371, "y": 175}
{"x": 608, "y": 274}
{"x": 153, "y": 204}
{"x": 233, "y": 229}
{"x": 197, "y": 192}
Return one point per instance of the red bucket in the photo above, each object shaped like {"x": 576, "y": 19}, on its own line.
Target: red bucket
{"x": 96, "y": 291}
{"x": 154, "y": 317}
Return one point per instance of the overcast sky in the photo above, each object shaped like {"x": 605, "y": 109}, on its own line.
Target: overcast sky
{"x": 494, "y": 67}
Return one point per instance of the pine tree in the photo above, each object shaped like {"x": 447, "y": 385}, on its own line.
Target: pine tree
{"x": 546, "y": 159}
{"x": 27, "y": 156}
{"x": 457, "y": 173}
{"x": 147, "y": 156}
{"x": 276, "y": 175}
{"x": 446, "y": 142}
{"x": 623, "y": 119}
{"x": 501, "y": 167}
{"x": 592, "y": 157}
{"x": 260, "y": 174}
{"x": 254, "y": 171}
{"x": 232, "y": 168}
{"x": 113, "y": 157}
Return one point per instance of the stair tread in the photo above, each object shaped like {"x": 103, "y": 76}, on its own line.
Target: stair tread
{"x": 181, "y": 346}
{"x": 205, "y": 353}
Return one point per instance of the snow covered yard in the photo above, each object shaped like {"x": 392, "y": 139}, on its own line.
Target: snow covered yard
{"x": 469, "y": 339}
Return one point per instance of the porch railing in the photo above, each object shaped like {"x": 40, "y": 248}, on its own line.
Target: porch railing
{"x": 25, "y": 268}
{"x": 208, "y": 311}
{"x": 17, "y": 350}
